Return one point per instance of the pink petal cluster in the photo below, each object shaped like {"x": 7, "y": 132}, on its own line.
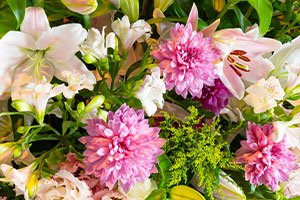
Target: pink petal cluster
{"x": 3, "y": 198}
{"x": 123, "y": 149}
{"x": 187, "y": 60}
{"x": 266, "y": 161}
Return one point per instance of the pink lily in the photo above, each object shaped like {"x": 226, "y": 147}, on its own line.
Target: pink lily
{"x": 242, "y": 57}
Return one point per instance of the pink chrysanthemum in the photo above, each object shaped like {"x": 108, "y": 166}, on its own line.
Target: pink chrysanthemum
{"x": 266, "y": 161}
{"x": 123, "y": 149}
{"x": 187, "y": 60}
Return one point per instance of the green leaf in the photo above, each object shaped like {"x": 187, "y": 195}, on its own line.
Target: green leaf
{"x": 264, "y": 10}
{"x": 18, "y": 7}
{"x": 164, "y": 166}
{"x": 159, "y": 194}
{"x": 7, "y": 19}
{"x": 65, "y": 126}
{"x": 104, "y": 6}
{"x": 243, "y": 21}
{"x": 57, "y": 156}
{"x": 38, "y": 3}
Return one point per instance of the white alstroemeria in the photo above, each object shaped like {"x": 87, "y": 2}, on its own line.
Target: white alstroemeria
{"x": 63, "y": 185}
{"x": 263, "y": 94}
{"x": 151, "y": 92}
{"x": 18, "y": 177}
{"x": 6, "y": 130}
{"x": 292, "y": 134}
{"x": 37, "y": 95}
{"x": 286, "y": 61}
{"x": 75, "y": 83}
{"x": 128, "y": 34}
{"x": 140, "y": 191}
{"x": 83, "y": 7}
{"x": 39, "y": 52}
{"x": 96, "y": 44}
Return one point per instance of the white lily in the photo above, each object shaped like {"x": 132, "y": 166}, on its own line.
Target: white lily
{"x": 39, "y": 52}
{"x": 96, "y": 44}
{"x": 263, "y": 94}
{"x": 37, "y": 95}
{"x": 286, "y": 61}
{"x": 128, "y": 34}
{"x": 282, "y": 129}
{"x": 151, "y": 92}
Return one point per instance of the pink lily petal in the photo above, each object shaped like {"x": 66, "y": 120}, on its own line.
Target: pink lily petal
{"x": 193, "y": 17}
{"x": 35, "y": 22}
{"x": 230, "y": 79}
{"x": 210, "y": 30}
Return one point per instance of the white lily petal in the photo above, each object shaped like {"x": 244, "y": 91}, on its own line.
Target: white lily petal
{"x": 64, "y": 41}
{"x": 18, "y": 39}
{"x": 75, "y": 66}
{"x": 35, "y": 22}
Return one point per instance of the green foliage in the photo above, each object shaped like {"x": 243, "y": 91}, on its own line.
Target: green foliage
{"x": 195, "y": 148}
{"x": 18, "y": 8}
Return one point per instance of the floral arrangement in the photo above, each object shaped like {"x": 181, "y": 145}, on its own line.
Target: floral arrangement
{"x": 149, "y": 100}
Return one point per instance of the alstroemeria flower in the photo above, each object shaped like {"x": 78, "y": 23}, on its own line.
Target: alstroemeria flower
{"x": 151, "y": 92}
{"x": 38, "y": 95}
{"x": 292, "y": 134}
{"x": 263, "y": 94}
{"x": 75, "y": 83}
{"x": 96, "y": 43}
{"x": 39, "y": 52}
{"x": 128, "y": 34}
{"x": 242, "y": 57}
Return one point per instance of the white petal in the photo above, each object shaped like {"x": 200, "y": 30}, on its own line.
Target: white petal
{"x": 63, "y": 41}
{"x": 57, "y": 90}
{"x": 18, "y": 39}
{"x": 75, "y": 66}
{"x": 35, "y": 22}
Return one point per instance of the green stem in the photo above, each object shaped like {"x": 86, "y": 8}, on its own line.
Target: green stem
{"x": 53, "y": 129}
{"x": 228, "y": 5}
{"x": 87, "y": 21}
{"x": 249, "y": 11}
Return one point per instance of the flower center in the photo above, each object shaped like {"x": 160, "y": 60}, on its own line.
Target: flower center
{"x": 37, "y": 62}
{"x": 238, "y": 61}
{"x": 118, "y": 146}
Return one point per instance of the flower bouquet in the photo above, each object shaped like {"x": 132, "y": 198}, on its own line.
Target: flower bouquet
{"x": 149, "y": 100}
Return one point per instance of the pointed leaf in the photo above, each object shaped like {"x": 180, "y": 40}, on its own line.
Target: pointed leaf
{"x": 18, "y": 7}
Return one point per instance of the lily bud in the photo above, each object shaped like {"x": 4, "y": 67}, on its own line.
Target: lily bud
{"x": 80, "y": 108}
{"x": 32, "y": 185}
{"x": 89, "y": 58}
{"x": 163, "y": 5}
{"x": 96, "y": 102}
{"x": 131, "y": 9}
{"x": 83, "y": 7}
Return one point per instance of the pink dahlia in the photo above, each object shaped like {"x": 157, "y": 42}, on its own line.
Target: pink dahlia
{"x": 187, "y": 60}
{"x": 123, "y": 149}
{"x": 266, "y": 161}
